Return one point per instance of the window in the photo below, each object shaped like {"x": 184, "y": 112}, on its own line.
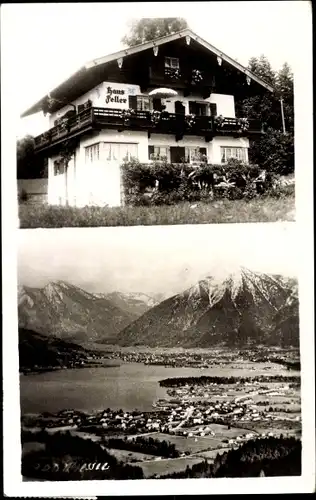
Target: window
{"x": 195, "y": 154}
{"x": 59, "y": 167}
{"x": 143, "y": 103}
{"x": 198, "y": 108}
{"x": 158, "y": 153}
{"x": 93, "y": 153}
{"x": 172, "y": 62}
{"x": 238, "y": 153}
{"x": 116, "y": 151}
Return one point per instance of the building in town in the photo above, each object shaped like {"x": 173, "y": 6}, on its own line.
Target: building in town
{"x": 172, "y": 98}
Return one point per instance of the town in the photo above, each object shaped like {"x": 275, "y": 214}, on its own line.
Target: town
{"x": 196, "y": 420}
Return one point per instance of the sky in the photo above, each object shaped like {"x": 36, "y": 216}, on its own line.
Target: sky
{"x": 43, "y": 44}
{"x": 152, "y": 259}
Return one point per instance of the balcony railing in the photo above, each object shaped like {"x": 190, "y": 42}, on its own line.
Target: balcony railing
{"x": 160, "y": 122}
{"x": 224, "y": 126}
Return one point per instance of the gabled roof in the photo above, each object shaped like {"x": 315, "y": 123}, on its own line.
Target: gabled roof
{"x": 140, "y": 48}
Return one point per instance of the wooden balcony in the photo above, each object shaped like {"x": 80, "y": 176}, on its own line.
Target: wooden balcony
{"x": 165, "y": 123}
{"x": 237, "y": 126}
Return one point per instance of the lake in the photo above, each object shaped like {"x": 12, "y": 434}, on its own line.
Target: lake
{"x": 130, "y": 386}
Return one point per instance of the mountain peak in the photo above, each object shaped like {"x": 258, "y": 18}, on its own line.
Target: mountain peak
{"x": 233, "y": 308}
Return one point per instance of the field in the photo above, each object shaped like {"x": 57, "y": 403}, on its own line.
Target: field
{"x": 189, "y": 444}
{"x": 265, "y": 209}
{"x": 130, "y": 456}
{"x": 210, "y": 455}
{"x": 167, "y": 465}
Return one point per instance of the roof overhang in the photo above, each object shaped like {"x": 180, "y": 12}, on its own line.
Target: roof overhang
{"x": 83, "y": 72}
{"x": 171, "y": 38}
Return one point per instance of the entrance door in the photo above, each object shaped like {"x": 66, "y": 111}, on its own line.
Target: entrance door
{"x": 179, "y": 108}
{"x": 157, "y": 106}
{"x": 177, "y": 155}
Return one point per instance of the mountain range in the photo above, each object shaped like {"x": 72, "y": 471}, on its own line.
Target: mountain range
{"x": 132, "y": 303}
{"x": 244, "y": 307}
{"x": 68, "y": 312}
{"x": 241, "y": 308}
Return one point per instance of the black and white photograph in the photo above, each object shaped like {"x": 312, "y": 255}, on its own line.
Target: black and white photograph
{"x": 157, "y": 228}
{"x": 173, "y": 123}
{"x": 183, "y": 362}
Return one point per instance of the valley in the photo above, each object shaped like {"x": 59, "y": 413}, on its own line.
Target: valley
{"x": 165, "y": 386}
{"x": 203, "y": 412}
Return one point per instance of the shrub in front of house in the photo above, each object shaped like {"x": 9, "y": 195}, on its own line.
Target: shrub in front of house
{"x": 163, "y": 183}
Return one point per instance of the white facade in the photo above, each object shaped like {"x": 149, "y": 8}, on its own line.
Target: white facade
{"x": 116, "y": 96}
{"x": 105, "y": 95}
{"x": 93, "y": 176}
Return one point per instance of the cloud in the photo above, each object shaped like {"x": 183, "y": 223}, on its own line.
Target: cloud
{"x": 160, "y": 259}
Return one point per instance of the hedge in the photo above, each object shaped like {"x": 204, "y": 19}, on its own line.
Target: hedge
{"x": 163, "y": 183}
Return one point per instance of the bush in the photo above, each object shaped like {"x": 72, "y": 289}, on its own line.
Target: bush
{"x": 163, "y": 183}
{"x": 23, "y": 196}
{"x": 274, "y": 152}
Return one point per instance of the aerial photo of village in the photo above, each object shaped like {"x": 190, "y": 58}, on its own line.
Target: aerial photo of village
{"x": 202, "y": 380}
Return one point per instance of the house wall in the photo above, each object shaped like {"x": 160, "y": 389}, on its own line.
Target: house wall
{"x": 104, "y": 95}
{"x": 233, "y": 142}
{"x": 225, "y": 103}
{"x": 187, "y": 141}
{"x": 56, "y": 185}
{"x": 101, "y": 97}
{"x": 99, "y": 183}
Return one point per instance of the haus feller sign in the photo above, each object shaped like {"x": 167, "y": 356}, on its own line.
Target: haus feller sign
{"x": 116, "y": 96}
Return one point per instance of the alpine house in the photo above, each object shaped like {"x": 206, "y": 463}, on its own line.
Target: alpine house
{"x": 172, "y": 98}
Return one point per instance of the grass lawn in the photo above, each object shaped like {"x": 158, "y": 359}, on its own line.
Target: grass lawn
{"x": 265, "y": 209}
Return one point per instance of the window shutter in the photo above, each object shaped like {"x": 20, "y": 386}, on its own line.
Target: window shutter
{"x": 151, "y": 151}
{"x": 213, "y": 109}
{"x": 132, "y": 101}
{"x": 192, "y": 108}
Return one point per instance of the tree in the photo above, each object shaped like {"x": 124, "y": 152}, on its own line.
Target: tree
{"x": 275, "y": 150}
{"x": 285, "y": 89}
{"x": 147, "y": 29}
{"x": 29, "y": 165}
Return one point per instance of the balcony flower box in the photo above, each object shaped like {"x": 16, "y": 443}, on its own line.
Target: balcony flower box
{"x": 126, "y": 114}
{"x": 243, "y": 124}
{"x": 197, "y": 76}
{"x": 155, "y": 116}
{"x": 190, "y": 120}
{"x": 173, "y": 73}
{"x": 87, "y": 104}
{"x": 219, "y": 121}
{"x": 47, "y": 136}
